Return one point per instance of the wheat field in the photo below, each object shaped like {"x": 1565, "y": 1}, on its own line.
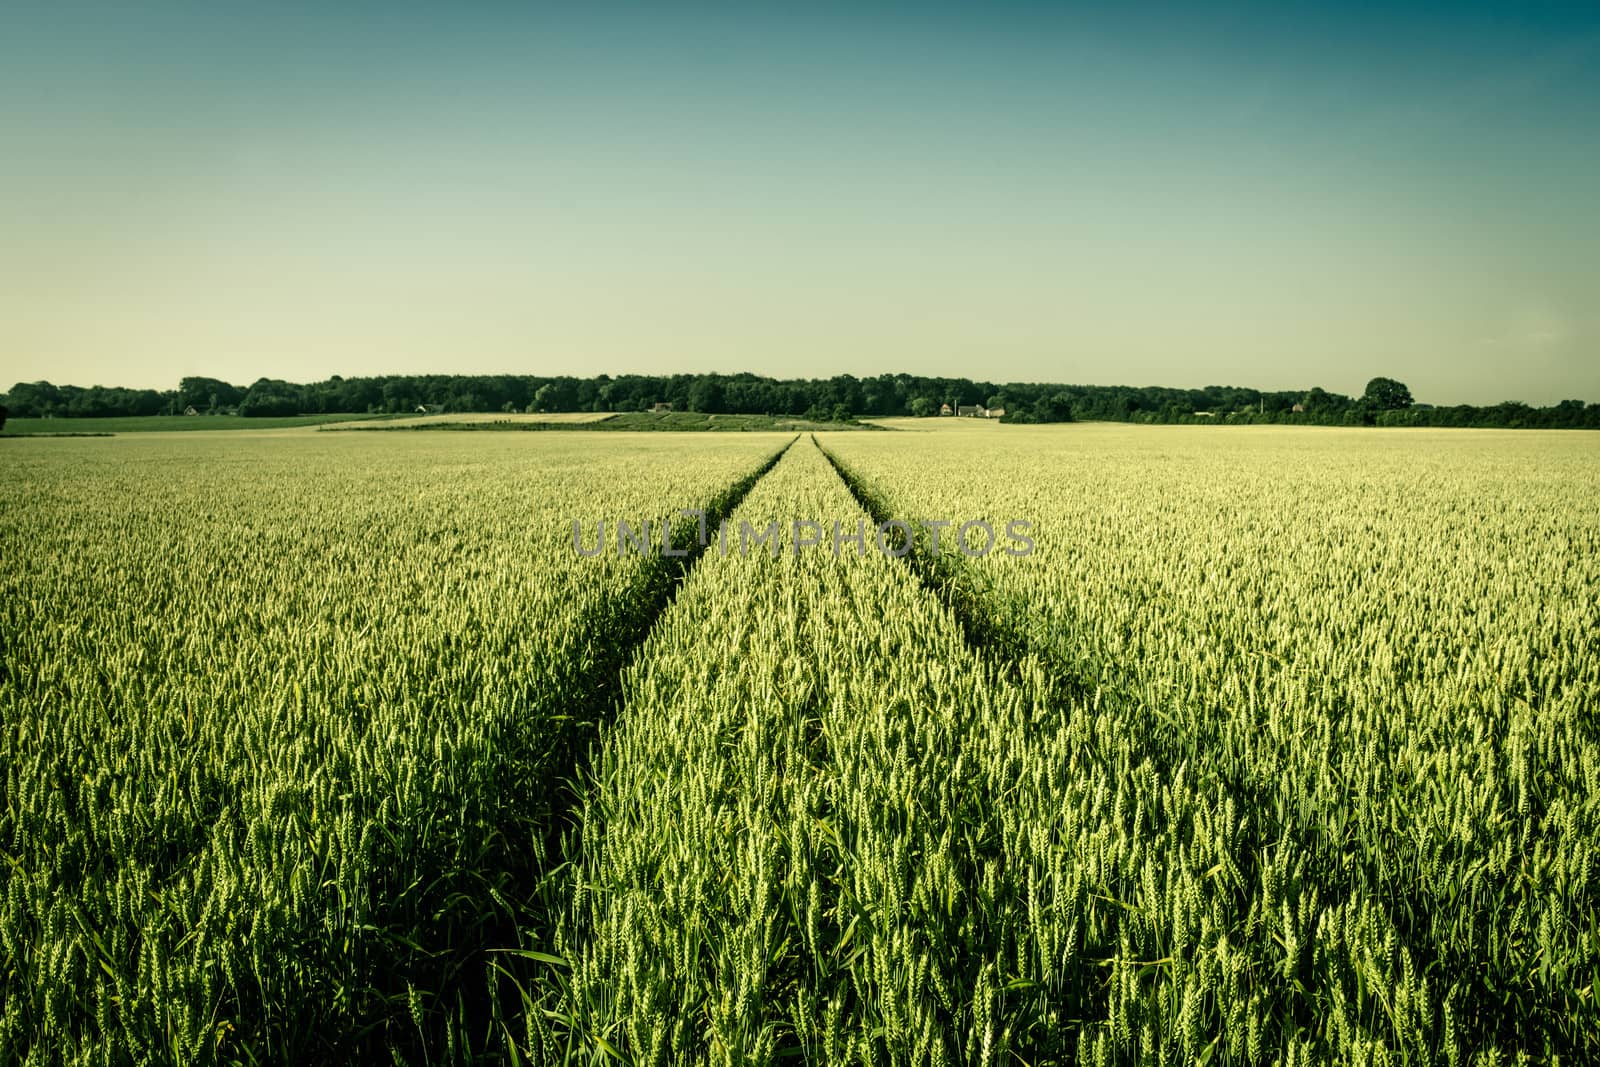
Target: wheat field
{"x": 1279, "y": 747}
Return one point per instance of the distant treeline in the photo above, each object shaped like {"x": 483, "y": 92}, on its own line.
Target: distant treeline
{"x": 1385, "y": 402}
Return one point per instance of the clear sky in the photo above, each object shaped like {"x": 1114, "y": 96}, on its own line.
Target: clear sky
{"x": 1277, "y": 195}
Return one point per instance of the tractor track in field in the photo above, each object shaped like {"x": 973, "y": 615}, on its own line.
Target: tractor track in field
{"x": 987, "y": 632}
{"x": 556, "y": 808}
{"x": 603, "y": 681}
{"x": 520, "y": 911}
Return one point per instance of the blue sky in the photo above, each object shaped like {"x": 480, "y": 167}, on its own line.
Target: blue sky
{"x": 1271, "y": 195}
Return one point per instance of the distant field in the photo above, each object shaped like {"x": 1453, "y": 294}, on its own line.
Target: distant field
{"x": 474, "y": 418}
{"x": 635, "y": 421}
{"x": 169, "y": 423}
{"x": 677, "y": 421}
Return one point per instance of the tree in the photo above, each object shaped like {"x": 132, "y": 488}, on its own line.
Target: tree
{"x": 846, "y": 390}
{"x": 1386, "y": 394}
{"x": 399, "y": 395}
{"x": 565, "y": 394}
{"x": 39, "y": 400}
{"x": 1386, "y": 402}
{"x": 1513, "y": 414}
{"x": 840, "y": 413}
{"x": 1568, "y": 413}
{"x": 1054, "y": 408}
{"x": 207, "y": 394}
{"x": 270, "y": 398}
{"x": 2, "y": 416}
{"x": 706, "y": 395}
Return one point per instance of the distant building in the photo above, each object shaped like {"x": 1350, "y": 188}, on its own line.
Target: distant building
{"x": 944, "y": 409}
{"x": 429, "y": 409}
{"x": 970, "y": 411}
{"x": 662, "y": 408}
{"x": 1298, "y": 409}
{"x": 190, "y": 410}
{"x": 1205, "y": 414}
{"x": 995, "y": 413}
